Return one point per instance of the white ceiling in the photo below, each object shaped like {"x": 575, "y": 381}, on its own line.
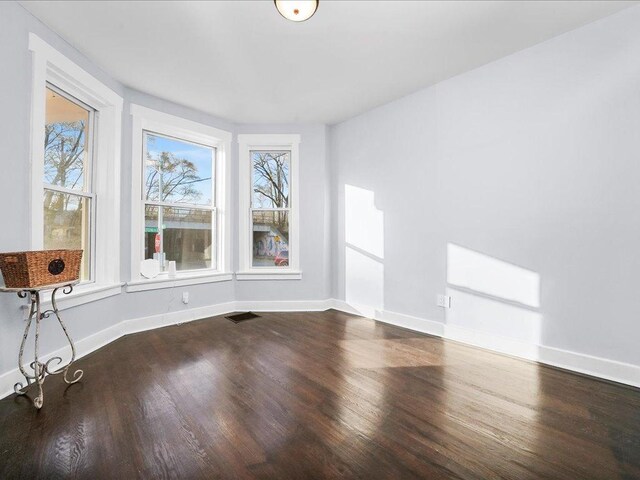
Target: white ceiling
{"x": 240, "y": 60}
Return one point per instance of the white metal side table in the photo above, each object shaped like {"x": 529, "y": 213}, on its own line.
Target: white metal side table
{"x": 40, "y": 369}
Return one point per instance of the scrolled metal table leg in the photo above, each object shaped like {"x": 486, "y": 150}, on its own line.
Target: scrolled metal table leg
{"x": 40, "y": 369}
{"x": 37, "y": 366}
{"x": 77, "y": 375}
{"x": 19, "y": 386}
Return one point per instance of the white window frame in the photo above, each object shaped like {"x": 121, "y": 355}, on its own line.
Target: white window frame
{"x": 51, "y": 67}
{"x": 265, "y": 142}
{"x": 147, "y": 120}
{"x": 87, "y": 190}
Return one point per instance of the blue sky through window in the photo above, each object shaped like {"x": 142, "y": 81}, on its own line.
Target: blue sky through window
{"x": 187, "y": 185}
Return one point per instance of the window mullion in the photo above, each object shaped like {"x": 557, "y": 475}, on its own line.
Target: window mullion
{"x": 255, "y": 209}
{"x": 179, "y": 205}
{"x": 93, "y": 208}
{"x": 90, "y": 163}
{"x": 161, "y": 232}
{"x": 68, "y": 191}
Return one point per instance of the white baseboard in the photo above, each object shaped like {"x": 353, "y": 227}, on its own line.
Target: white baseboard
{"x": 283, "y": 305}
{"x": 493, "y": 342}
{"x": 613, "y": 370}
{"x": 578, "y": 362}
{"x": 136, "y": 325}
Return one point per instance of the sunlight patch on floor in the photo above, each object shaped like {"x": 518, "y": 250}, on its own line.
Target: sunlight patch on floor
{"x": 387, "y": 353}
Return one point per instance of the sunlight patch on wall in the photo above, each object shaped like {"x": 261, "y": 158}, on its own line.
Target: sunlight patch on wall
{"x": 364, "y": 285}
{"x": 488, "y": 275}
{"x": 363, "y": 222}
{"x": 364, "y": 251}
{"x": 483, "y": 314}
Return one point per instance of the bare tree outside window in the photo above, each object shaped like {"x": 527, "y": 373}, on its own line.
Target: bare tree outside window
{"x": 64, "y": 149}
{"x": 173, "y": 178}
{"x": 270, "y": 208}
{"x": 179, "y": 213}
{"x": 270, "y": 179}
{"x": 67, "y": 214}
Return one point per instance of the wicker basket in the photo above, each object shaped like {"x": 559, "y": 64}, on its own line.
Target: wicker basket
{"x": 39, "y": 268}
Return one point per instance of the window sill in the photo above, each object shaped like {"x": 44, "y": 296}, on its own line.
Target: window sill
{"x": 163, "y": 281}
{"x": 81, "y": 294}
{"x": 269, "y": 275}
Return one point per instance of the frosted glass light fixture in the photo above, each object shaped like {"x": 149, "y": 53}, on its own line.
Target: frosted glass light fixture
{"x": 297, "y": 10}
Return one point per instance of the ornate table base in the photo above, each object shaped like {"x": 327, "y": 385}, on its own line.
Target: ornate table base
{"x": 39, "y": 368}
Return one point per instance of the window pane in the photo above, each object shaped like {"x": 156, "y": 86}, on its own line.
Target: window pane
{"x": 270, "y": 238}
{"x": 65, "y": 142}
{"x": 270, "y": 179}
{"x": 178, "y": 171}
{"x": 66, "y": 225}
{"x": 185, "y": 236}
{"x": 152, "y": 246}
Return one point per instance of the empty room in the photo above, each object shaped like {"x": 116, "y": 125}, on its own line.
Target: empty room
{"x": 320, "y": 239}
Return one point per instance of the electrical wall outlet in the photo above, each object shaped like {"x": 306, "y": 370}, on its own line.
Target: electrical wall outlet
{"x": 185, "y": 297}
{"x": 444, "y": 301}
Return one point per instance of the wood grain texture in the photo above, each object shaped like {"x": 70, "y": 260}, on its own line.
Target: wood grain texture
{"x": 318, "y": 395}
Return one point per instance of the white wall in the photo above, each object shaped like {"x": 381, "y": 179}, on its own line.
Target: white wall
{"x": 103, "y": 316}
{"x": 526, "y": 166}
{"x": 314, "y": 221}
{"x": 531, "y": 161}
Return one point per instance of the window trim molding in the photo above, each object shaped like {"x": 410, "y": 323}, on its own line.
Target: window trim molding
{"x": 81, "y": 294}
{"x": 248, "y": 142}
{"x": 51, "y": 66}
{"x": 144, "y": 118}
{"x": 163, "y": 281}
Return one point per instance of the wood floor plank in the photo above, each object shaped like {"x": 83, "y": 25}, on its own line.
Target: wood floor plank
{"x": 318, "y": 395}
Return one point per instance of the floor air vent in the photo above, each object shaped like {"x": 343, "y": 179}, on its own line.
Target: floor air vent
{"x": 241, "y": 317}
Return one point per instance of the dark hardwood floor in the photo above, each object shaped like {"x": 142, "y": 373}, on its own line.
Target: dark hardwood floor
{"x": 318, "y": 395}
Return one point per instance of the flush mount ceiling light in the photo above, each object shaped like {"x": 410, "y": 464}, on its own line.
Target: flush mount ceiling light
{"x": 297, "y": 10}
